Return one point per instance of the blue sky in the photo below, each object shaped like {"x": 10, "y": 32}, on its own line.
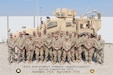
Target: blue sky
{"x": 28, "y": 7}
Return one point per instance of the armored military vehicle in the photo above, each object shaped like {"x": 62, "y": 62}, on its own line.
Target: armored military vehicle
{"x": 66, "y": 20}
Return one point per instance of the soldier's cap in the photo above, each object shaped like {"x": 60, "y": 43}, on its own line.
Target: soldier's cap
{"x": 78, "y": 34}
{"x": 20, "y": 33}
{"x": 48, "y": 33}
{"x": 66, "y": 38}
{"x": 52, "y": 32}
{"x": 24, "y": 31}
{"x": 99, "y": 35}
{"x": 30, "y": 36}
{"x": 38, "y": 32}
{"x": 56, "y": 35}
{"x": 66, "y": 31}
{"x": 11, "y": 34}
{"x": 34, "y": 32}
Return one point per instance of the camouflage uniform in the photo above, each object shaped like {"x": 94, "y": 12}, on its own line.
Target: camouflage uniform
{"x": 34, "y": 37}
{"x": 89, "y": 50}
{"x": 39, "y": 49}
{"x": 53, "y": 39}
{"x": 44, "y": 40}
{"x": 11, "y": 49}
{"x": 20, "y": 46}
{"x": 30, "y": 49}
{"x": 93, "y": 47}
{"x": 74, "y": 39}
{"x": 25, "y": 41}
{"x": 48, "y": 48}
{"x": 66, "y": 50}
{"x": 78, "y": 49}
{"x": 56, "y": 49}
{"x": 99, "y": 50}
{"x": 61, "y": 39}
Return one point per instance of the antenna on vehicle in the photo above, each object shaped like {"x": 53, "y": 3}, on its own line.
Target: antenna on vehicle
{"x": 85, "y": 10}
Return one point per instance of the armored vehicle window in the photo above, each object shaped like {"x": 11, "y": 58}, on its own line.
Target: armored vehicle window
{"x": 52, "y": 24}
{"x": 68, "y": 24}
{"x": 82, "y": 26}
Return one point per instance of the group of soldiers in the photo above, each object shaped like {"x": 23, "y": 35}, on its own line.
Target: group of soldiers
{"x": 57, "y": 47}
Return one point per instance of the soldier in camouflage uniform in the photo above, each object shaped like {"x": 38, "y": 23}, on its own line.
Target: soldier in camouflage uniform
{"x": 74, "y": 39}
{"x": 78, "y": 48}
{"x": 53, "y": 39}
{"x": 44, "y": 39}
{"x": 99, "y": 45}
{"x": 34, "y": 37}
{"x": 56, "y": 50}
{"x": 84, "y": 40}
{"x": 11, "y": 48}
{"x": 25, "y": 36}
{"x": 61, "y": 38}
{"x": 89, "y": 49}
{"x": 93, "y": 48}
{"x": 66, "y": 50}
{"x": 30, "y": 48}
{"x": 39, "y": 48}
{"x": 48, "y": 50}
{"x": 20, "y": 46}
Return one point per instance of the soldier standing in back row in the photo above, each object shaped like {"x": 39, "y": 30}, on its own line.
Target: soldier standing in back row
{"x": 11, "y": 48}
{"x": 66, "y": 50}
{"x": 61, "y": 38}
{"x": 20, "y": 46}
{"x": 78, "y": 48}
{"x": 89, "y": 49}
{"x": 25, "y": 36}
{"x": 92, "y": 49}
{"x": 39, "y": 48}
{"x": 56, "y": 50}
{"x": 99, "y": 49}
{"x": 30, "y": 49}
{"x": 48, "y": 48}
{"x": 74, "y": 39}
{"x": 34, "y": 37}
{"x": 44, "y": 39}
